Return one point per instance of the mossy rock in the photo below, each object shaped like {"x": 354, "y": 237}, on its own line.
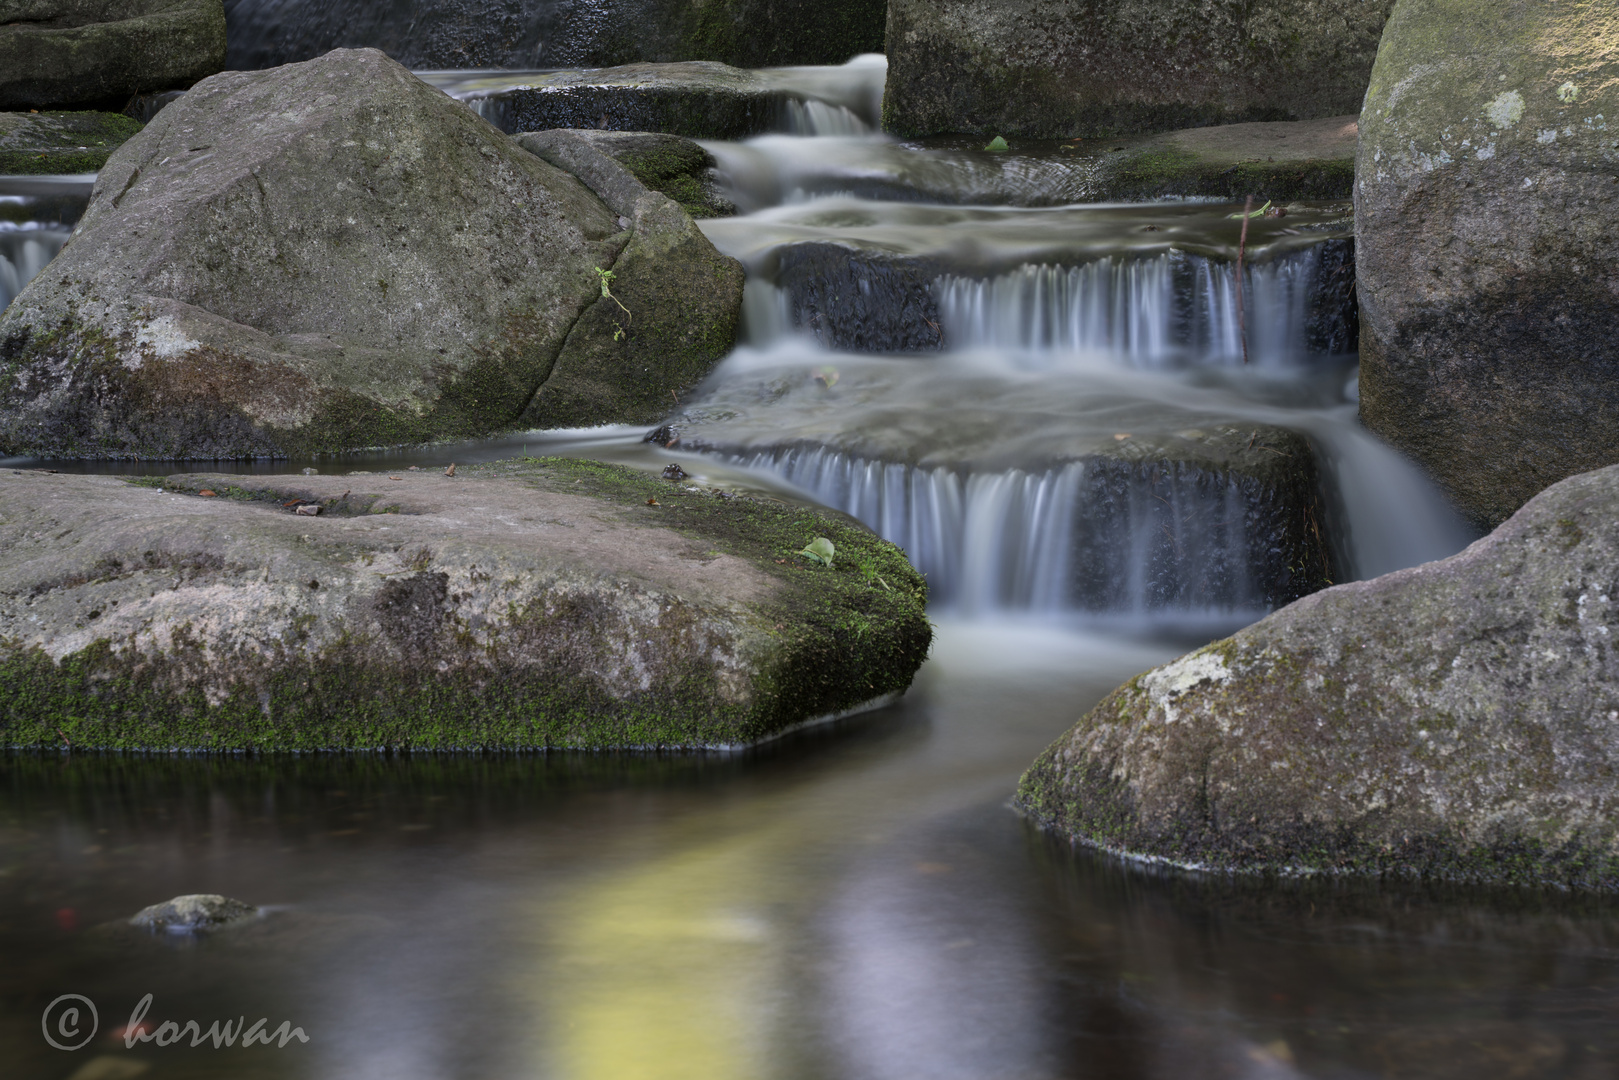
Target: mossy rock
{"x": 1088, "y": 68}
{"x": 533, "y": 603}
{"x": 36, "y": 144}
{"x": 1282, "y": 161}
{"x": 1456, "y": 720}
{"x": 99, "y": 53}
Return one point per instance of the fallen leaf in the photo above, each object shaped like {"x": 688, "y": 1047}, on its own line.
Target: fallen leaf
{"x": 396, "y": 477}
{"x": 451, "y": 470}
{"x": 308, "y": 509}
{"x": 1122, "y": 436}
{"x": 205, "y": 493}
{"x": 653, "y": 502}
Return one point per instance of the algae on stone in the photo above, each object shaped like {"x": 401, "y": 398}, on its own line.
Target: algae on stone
{"x": 1455, "y": 720}
{"x": 42, "y": 144}
{"x": 1485, "y": 192}
{"x": 520, "y": 604}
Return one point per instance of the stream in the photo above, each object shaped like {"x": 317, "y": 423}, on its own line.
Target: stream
{"x": 1012, "y": 382}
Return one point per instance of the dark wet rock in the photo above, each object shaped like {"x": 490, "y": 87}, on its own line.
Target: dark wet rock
{"x": 1279, "y": 161}
{"x": 697, "y": 99}
{"x": 1067, "y": 68}
{"x": 1164, "y": 512}
{"x": 56, "y": 53}
{"x": 60, "y": 142}
{"x": 546, "y": 34}
{"x": 1487, "y": 180}
{"x": 422, "y": 284}
{"x": 859, "y": 299}
{"x": 195, "y": 913}
{"x": 1454, "y": 720}
{"x": 533, "y": 603}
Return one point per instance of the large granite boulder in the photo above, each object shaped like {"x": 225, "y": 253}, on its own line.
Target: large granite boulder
{"x": 1489, "y": 279}
{"x": 1104, "y": 67}
{"x": 531, "y": 603}
{"x": 56, "y": 53}
{"x": 334, "y": 255}
{"x": 547, "y": 34}
{"x": 1459, "y": 720}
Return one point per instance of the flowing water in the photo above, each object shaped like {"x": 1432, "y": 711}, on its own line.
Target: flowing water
{"x": 1057, "y": 408}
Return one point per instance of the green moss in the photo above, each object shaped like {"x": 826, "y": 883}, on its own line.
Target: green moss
{"x": 842, "y": 640}
{"x": 61, "y": 142}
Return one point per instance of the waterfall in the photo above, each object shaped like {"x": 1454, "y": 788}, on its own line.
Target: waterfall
{"x": 1093, "y": 537}
{"x": 24, "y": 253}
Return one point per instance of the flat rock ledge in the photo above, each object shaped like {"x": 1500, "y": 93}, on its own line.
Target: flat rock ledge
{"x": 1458, "y": 720}
{"x": 533, "y": 603}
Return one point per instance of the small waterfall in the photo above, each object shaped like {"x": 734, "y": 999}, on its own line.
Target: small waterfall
{"x": 23, "y": 254}
{"x": 1145, "y": 310}
{"x": 818, "y": 118}
{"x": 1097, "y": 537}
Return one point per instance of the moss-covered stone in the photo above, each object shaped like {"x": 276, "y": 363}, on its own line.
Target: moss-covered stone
{"x": 1484, "y": 220}
{"x": 1284, "y": 161}
{"x": 1049, "y": 68}
{"x": 33, "y": 143}
{"x": 1456, "y": 720}
{"x": 521, "y": 604}
{"x": 419, "y": 286}
{"x": 56, "y": 53}
{"x": 669, "y": 164}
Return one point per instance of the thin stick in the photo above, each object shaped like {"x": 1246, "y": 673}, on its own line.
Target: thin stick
{"x": 1242, "y": 246}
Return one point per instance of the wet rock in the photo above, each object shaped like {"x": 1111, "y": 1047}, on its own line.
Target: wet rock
{"x": 60, "y": 142}
{"x": 518, "y": 604}
{"x": 56, "y": 53}
{"x": 698, "y": 99}
{"x": 1279, "y": 161}
{"x": 1036, "y": 68}
{"x": 195, "y": 913}
{"x": 1137, "y": 506}
{"x": 1454, "y": 720}
{"x": 545, "y": 34}
{"x": 1484, "y": 211}
{"x": 674, "y": 166}
{"x": 420, "y": 285}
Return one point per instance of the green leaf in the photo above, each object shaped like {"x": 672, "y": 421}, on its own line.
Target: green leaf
{"x": 997, "y": 145}
{"x": 819, "y": 551}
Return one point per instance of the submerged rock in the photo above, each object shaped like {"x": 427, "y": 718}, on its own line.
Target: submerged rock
{"x": 198, "y": 912}
{"x": 532, "y": 603}
{"x": 56, "y": 53}
{"x": 1484, "y": 218}
{"x": 334, "y": 255}
{"x": 36, "y": 144}
{"x": 546, "y": 34}
{"x": 1038, "y": 68}
{"x": 1454, "y": 720}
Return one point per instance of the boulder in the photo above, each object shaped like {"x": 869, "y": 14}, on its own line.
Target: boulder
{"x": 194, "y": 913}
{"x": 1486, "y": 188}
{"x": 1457, "y": 720}
{"x": 334, "y": 255}
{"x": 545, "y": 34}
{"x": 1107, "y": 67}
{"x": 1282, "y": 161}
{"x": 54, "y": 143}
{"x": 56, "y": 53}
{"x": 529, "y": 603}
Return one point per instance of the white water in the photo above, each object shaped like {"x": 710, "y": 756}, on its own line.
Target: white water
{"x": 24, "y": 252}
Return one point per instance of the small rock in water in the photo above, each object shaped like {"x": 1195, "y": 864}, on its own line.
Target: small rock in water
{"x": 311, "y": 472}
{"x": 674, "y": 472}
{"x": 663, "y": 436}
{"x": 308, "y": 510}
{"x": 193, "y": 913}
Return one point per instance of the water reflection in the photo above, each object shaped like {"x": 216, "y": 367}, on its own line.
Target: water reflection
{"x": 858, "y": 902}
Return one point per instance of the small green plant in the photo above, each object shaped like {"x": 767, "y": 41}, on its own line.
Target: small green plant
{"x": 818, "y": 551}
{"x": 607, "y": 278}
{"x": 997, "y": 145}
{"x": 618, "y": 332}
{"x": 1249, "y": 213}
{"x": 868, "y": 571}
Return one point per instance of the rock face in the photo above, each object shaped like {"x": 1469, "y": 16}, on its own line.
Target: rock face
{"x": 546, "y": 34}
{"x": 194, "y": 913}
{"x": 535, "y": 603}
{"x": 334, "y": 255}
{"x": 60, "y": 142}
{"x": 1105, "y": 67}
{"x": 87, "y": 52}
{"x": 1487, "y": 183}
{"x": 1459, "y": 719}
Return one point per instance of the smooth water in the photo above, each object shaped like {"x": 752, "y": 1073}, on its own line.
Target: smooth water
{"x": 938, "y": 341}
